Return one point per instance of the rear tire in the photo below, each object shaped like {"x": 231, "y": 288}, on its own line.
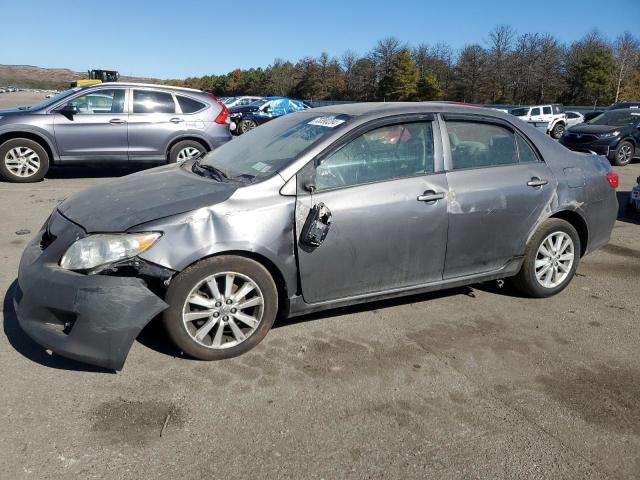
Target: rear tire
{"x": 544, "y": 275}
{"x": 623, "y": 154}
{"x": 184, "y": 150}
{"x": 23, "y": 161}
{"x": 557, "y": 131}
{"x": 214, "y": 325}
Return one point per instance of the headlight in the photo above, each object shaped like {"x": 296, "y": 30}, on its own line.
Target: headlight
{"x": 610, "y": 134}
{"x": 235, "y": 115}
{"x": 95, "y": 250}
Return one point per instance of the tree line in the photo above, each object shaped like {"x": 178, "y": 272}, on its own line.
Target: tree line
{"x": 508, "y": 68}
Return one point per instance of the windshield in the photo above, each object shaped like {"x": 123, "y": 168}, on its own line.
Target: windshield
{"x": 54, "y": 99}
{"x": 261, "y": 153}
{"x": 519, "y": 112}
{"x": 259, "y": 102}
{"x": 616, "y": 118}
{"x": 227, "y": 100}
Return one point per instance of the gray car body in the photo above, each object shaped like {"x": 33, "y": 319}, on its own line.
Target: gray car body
{"x": 382, "y": 241}
{"x": 116, "y": 137}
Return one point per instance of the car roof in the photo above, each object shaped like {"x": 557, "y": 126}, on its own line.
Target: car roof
{"x": 145, "y": 85}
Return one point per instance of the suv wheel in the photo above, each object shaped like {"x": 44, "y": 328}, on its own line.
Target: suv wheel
{"x": 184, "y": 150}
{"x": 623, "y": 154}
{"x": 23, "y": 160}
{"x": 220, "y": 307}
{"x": 557, "y": 131}
{"x": 550, "y": 260}
{"x": 246, "y": 125}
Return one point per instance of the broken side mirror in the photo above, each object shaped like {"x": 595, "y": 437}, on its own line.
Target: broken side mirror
{"x": 316, "y": 227}
{"x": 68, "y": 110}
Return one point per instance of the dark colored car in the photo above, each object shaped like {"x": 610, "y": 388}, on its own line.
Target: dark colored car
{"x": 314, "y": 210}
{"x": 248, "y": 117}
{"x": 614, "y": 106}
{"x": 110, "y": 122}
{"x": 614, "y": 134}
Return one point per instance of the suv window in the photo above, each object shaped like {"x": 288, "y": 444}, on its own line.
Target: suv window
{"x": 100, "y": 101}
{"x": 189, "y": 105}
{"x": 149, "y": 101}
{"x": 475, "y": 144}
{"x": 385, "y": 153}
{"x": 535, "y": 111}
{"x": 546, "y": 110}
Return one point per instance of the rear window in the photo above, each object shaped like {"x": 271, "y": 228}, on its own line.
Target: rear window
{"x": 149, "y": 101}
{"x": 189, "y": 105}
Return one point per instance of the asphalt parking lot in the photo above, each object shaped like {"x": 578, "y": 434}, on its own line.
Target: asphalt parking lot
{"x": 468, "y": 383}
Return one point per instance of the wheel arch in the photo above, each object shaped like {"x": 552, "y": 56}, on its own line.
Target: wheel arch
{"x": 194, "y": 138}
{"x": 39, "y": 139}
{"x": 578, "y": 222}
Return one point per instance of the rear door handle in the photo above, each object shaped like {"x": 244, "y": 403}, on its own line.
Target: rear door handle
{"x": 176, "y": 120}
{"x": 116, "y": 121}
{"x": 537, "y": 182}
{"x": 430, "y": 196}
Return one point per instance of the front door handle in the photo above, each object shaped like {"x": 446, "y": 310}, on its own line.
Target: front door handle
{"x": 430, "y": 196}
{"x": 116, "y": 121}
{"x": 537, "y": 182}
{"x": 176, "y": 120}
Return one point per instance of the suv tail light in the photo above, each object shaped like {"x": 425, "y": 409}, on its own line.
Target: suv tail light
{"x": 614, "y": 179}
{"x": 223, "y": 116}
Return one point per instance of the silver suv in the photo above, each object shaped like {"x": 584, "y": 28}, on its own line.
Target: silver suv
{"x": 110, "y": 122}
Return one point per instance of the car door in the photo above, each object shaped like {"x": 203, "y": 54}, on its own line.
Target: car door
{"x": 382, "y": 195}
{"x": 153, "y": 124}
{"x": 498, "y": 190}
{"x": 99, "y": 129}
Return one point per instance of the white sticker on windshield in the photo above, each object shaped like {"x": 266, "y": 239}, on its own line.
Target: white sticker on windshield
{"x": 261, "y": 167}
{"x": 635, "y": 114}
{"x": 330, "y": 122}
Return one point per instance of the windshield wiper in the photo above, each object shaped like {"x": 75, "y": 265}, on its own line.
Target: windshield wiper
{"x": 246, "y": 176}
{"x": 213, "y": 172}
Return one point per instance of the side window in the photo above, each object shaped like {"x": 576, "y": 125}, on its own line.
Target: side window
{"x": 546, "y": 110}
{"x": 149, "y": 101}
{"x": 525, "y": 152}
{"x": 476, "y": 144}
{"x": 535, "y": 111}
{"x": 384, "y": 153}
{"x": 99, "y": 101}
{"x": 189, "y": 105}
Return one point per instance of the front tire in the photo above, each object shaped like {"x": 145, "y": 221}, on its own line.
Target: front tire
{"x": 245, "y": 125}
{"x": 623, "y": 154}
{"x": 23, "y": 161}
{"x": 221, "y": 307}
{"x": 550, "y": 260}
{"x": 184, "y": 150}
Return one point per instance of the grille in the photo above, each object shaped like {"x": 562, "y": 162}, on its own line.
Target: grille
{"x": 582, "y": 138}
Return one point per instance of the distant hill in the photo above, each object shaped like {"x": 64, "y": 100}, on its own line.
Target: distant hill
{"x": 27, "y": 76}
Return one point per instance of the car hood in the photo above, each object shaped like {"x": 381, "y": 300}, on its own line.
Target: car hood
{"x": 594, "y": 129}
{"x": 9, "y": 111}
{"x": 243, "y": 109}
{"x": 142, "y": 197}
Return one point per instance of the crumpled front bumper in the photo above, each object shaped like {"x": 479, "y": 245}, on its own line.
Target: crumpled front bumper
{"x": 90, "y": 318}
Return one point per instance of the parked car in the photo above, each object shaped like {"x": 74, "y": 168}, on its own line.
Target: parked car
{"x": 110, "y": 122}
{"x": 240, "y": 101}
{"x": 614, "y": 134}
{"x": 552, "y": 114}
{"x": 634, "y": 197}
{"x": 613, "y": 106}
{"x": 574, "y": 118}
{"x": 248, "y": 117}
{"x": 314, "y": 210}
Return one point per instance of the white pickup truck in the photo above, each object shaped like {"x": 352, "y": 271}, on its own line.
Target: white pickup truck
{"x": 553, "y": 115}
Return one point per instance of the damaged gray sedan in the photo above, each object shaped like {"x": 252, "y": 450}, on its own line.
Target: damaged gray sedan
{"x": 317, "y": 209}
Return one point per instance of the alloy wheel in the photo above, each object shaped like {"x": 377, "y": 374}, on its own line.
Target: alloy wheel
{"x": 223, "y": 310}
{"x": 22, "y": 162}
{"x": 186, "y": 153}
{"x": 554, "y": 259}
{"x": 625, "y": 153}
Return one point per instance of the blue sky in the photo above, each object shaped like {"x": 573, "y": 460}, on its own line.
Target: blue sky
{"x": 175, "y": 39}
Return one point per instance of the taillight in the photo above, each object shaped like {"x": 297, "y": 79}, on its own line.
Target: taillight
{"x": 223, "y": 116}
{"x": 614, "y": 179}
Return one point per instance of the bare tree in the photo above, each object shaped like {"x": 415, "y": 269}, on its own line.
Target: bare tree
{"x": 627, "y": 52}
{"x": 500, "y": 46}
